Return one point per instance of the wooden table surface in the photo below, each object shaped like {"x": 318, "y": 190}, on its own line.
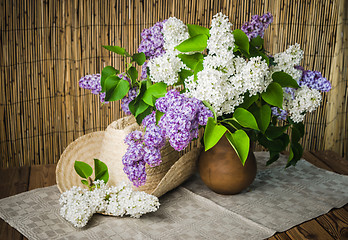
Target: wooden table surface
{"x": 333, "y": 225}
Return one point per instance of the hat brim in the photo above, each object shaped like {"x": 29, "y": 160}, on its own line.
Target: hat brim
{"x": 89, "y": 146}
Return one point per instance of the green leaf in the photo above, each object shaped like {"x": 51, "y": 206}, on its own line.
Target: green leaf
{"x": 254, "y": 52}
{"x": 133, "y": 74}
{"x": 273, "y": 95}
{"x": 158, "y": 116}
{"x": 198, "y": 68}
{"x": 85, "y": 182}
{"x": 183, "y": 74}
{"x": 231, "y": 124}
{"x": 247, "y": 100}
{"x": 262, "y": 116}
{"x": 101, "y": 171}
{"x": 140, "y": 106}
{"x": 115, "y": 88}
{"x": 296, "y": 155}
{"x": 257, "y": 42}
{"x": 213, "y": 133}
{"x": 240, "y": 141}
{"x": 195, "y": 30}
{"x": 191, "y": 60}
{"x": 155, "y": 91}
{"x": 197, "y": 43}
{"x": 245, "y": 118}
{"x": 139, "y": 58}
{"x": 142, "y": 115}
{"x": 132, "y": 107}
{"x": 241, "y": 40}
{"x": 107, "y": 72}
{"x": 284, "y": 80}
{"x": 210, "y": 108}
{"x": 295, "y": 135}
{"x": 275, "y": 132}
{"x": 83, "y": 169}
{"x": 273, "y": 156}
{"x": 116, "y": 49}
{"x": 276, "y": 145}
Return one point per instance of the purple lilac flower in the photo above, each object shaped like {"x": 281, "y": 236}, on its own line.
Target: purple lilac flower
{"x": 136, "y": 173}
{"x": 181, "y": 119}
{"x": 143, "y": 149}
{"x": 257, "y": 25}
{"x": 279, "y": 113}
{"x": 314, "y": 80}
{"x": 132, "y": 94}
{"x": 151, "y": 44}
{"x": 92, "y": 82}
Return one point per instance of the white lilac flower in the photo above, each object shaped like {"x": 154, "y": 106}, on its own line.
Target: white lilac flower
{"x": 255, "y": 76}
{"x": 165, "y": 68}
{"x": 78, "y": 205}
{"x": 305, "y": 100}
{"x": 75, "y": 207}
{"x": 174, "y": 32}
{"x": 223, "y": 87}
{"x": 221, "y": 40}
{"x": 288, "y": 60}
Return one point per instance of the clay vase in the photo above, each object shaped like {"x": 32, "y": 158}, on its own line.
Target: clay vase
{"x": 222, "y": 171}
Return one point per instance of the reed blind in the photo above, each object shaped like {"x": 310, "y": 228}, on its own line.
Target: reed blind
{"x": 47, "y": 45}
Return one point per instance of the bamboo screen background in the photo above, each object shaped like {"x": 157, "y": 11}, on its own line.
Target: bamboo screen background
{"x": 46, "y": 46}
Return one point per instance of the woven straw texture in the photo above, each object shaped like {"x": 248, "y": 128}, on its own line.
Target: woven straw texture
{"x": 46, "y": 46}
{"x": 108, "y": 146}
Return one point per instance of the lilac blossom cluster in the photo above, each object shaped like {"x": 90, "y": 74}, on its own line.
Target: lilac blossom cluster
{"x": 180, "y": 122}
{"x": 143, "y": 149}
{"x": 314, "y": 80}
{"x": 132, "y": 94}
{"x": 92, "y": 82}
{"x": 257, "y": 25}
{"x": 181, "y": 119}
{"x": 311, "y": 80}
{"x": 281, "y": 114}
{"x": 152, "y": 44}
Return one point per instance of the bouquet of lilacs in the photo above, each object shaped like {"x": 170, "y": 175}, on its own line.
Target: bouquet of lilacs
{"x": 79, "y": 205}
{"x": 223, "y": 80}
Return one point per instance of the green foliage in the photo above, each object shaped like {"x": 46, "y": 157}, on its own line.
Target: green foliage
{"x": 139, "y": 58}
{"x": 197, "y": 43}
{"x": 115, "y": 88}
{"x": 213, "y": 133}
{"x": 116, "y": 49}
{"x": 273, "y": 95}
{"x": 85, "y": 171}
{"x": 257, "y": 42}
{"x": 248, "y": 100}
{"x": 191, "y": 60}
{"x": 240, "y": 141}
{"x": 241, "y": 41}
{"x": 274, "y": 132}
{"x": 245, "y": 118}
{"x": 155, "y": 91}
{"x": 133, "y": 74}
{"x": 101, "y": 171}
{"x": 195, "y": 30}
{"x": 158, "y": 116}
{"x": 284, "y": 80}
{"x": 107, "y": 72}
{"x": 262, "y": 115}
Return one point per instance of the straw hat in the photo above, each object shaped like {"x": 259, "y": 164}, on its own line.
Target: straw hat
{"x": 108, "y": 146}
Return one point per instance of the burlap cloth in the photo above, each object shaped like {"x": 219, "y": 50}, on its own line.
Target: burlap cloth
{"x": 277, "y": 200}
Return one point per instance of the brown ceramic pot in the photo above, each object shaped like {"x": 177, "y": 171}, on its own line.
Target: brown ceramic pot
{"x": 222, "y": 171}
